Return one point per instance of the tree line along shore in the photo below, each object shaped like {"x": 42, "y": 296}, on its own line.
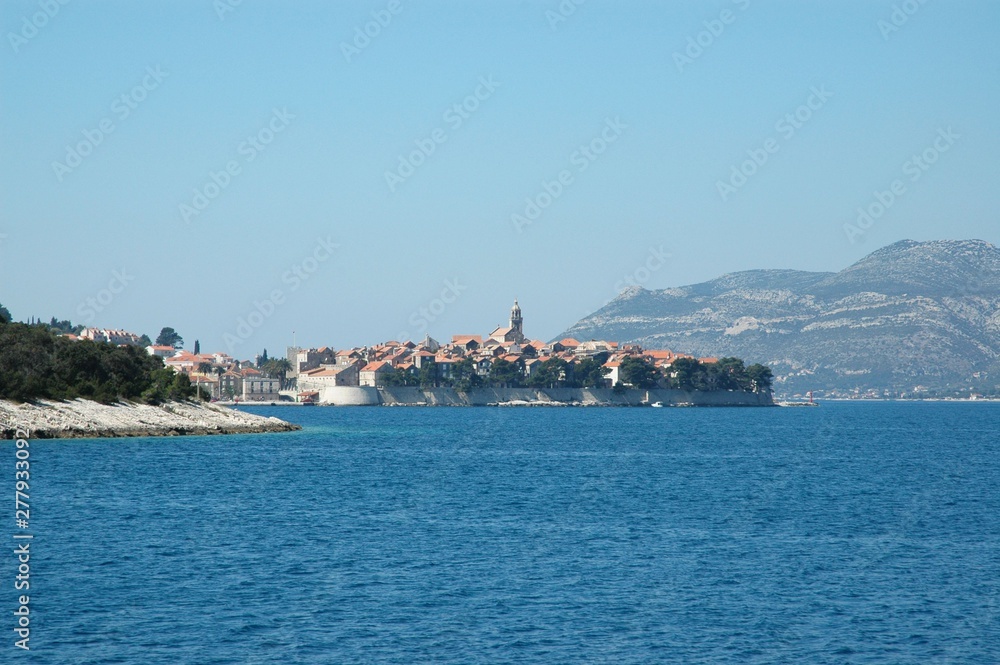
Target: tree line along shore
{"x": 55, "y": 387}
{"x": 36, "y": 363}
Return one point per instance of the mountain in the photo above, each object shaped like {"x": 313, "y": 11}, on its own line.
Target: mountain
{"x": 911, "y": 315}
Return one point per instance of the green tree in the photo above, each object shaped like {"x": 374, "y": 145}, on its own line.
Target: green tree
{"x": 169, "y": 337}
{"x": 399, "y": 377}
{"x": 427, "y": 376}
{"x": 5, "y": 315}
{"x": 686, "y": 374}
{"x": 464, "y": 376}
{"x": 506, "y": 374}
{"x": 144, "y": 341}
{"x": 549, "y": 374}
{"x": 591, "y": 372}
{"x": 638, "y": 373}
{"x": 277, "y": 368}
{"x": 197, "y": 347}
{"x": 64, "y": 326}
{"x": 760, "y": 377}
{"x": 729, "y": 374}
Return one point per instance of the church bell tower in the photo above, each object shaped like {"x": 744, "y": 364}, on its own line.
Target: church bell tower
{"x": 516, "y": 321}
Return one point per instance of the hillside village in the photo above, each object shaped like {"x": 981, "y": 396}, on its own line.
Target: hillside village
{"x": 506, "y": 357}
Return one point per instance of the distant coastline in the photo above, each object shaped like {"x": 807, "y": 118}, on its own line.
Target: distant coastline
{"x": 993, "y": 400}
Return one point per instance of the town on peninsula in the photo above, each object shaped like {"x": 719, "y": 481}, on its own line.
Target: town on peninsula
{"x": 504, "y": 367}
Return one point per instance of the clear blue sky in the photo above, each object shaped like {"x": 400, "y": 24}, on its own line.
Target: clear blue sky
{"x": 682, "y": 125}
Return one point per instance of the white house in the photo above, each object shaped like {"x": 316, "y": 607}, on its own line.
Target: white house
{"x": 109, "y": 335}
{"x": 161, "y": 351}
{"x": 613, "y": 376}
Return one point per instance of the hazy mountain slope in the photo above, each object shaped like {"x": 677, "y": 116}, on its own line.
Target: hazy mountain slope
{"x": 912, "y": 313}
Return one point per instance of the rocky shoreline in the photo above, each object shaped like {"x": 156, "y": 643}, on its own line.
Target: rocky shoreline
{"x": 85, "y": 419}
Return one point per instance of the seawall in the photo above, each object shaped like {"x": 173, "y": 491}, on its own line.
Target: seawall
{"x": 400, "y": 396}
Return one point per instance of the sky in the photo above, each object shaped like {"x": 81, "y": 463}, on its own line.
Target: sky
{"x": 256, "y": 174}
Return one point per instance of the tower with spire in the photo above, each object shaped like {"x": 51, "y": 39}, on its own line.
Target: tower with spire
{"x": 513, "y": 333}
{"x": 516, "y": 322}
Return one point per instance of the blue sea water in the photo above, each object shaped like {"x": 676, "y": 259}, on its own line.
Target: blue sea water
{"x": 851, "y": 533}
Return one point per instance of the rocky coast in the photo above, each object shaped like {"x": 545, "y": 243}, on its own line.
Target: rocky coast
{"x": 79, "y": 418}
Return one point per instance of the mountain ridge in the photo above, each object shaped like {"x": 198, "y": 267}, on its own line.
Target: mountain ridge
{"x": 909, "y": 316}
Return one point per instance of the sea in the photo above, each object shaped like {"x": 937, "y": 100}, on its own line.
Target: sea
{"x": 855, "y": 532}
